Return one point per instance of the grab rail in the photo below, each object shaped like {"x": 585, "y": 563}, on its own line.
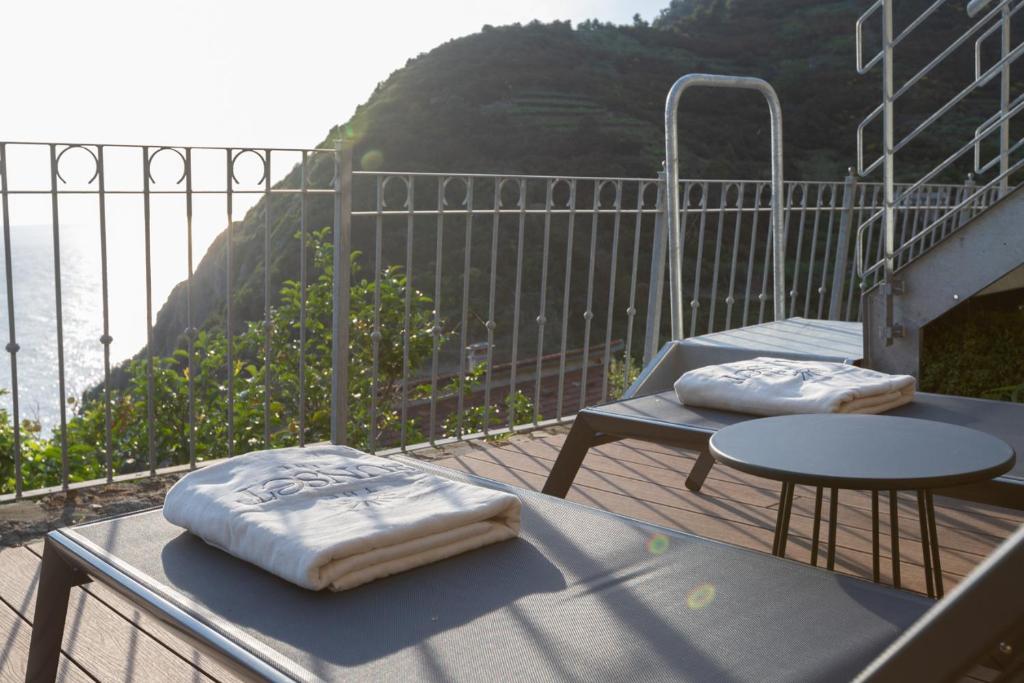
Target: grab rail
{"x": 672, "y": 183}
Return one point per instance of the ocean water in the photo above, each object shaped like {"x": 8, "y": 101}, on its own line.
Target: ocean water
{"x": 35, "y": 308}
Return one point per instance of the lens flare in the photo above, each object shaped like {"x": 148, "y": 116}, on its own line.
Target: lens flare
{"x": 657, "y": 544}
{"x": 372, "y": 160}
{"x": 700, "y": 596}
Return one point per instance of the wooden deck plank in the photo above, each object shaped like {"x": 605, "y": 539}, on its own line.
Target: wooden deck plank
{"x": 756, "y": 537}
{"x": 986, "y": 519}
{"x": 969, "y": 533}
{"x": 101, "y": 642}
{"x": 15, "y": 635}
{"x": 153, "y": 627}
{"x": 955, "y": 560}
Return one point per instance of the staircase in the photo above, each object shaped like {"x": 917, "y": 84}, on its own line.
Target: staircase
{"x": 913, "y": 282}
{"x": 957, "y": 267}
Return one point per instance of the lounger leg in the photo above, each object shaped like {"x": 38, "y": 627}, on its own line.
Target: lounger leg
{"x": 579, "y": 441}
{"x": 700, "y": 469}
{"x": 56, "y": 578}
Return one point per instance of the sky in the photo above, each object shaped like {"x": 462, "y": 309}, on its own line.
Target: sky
{"x": 222, "y": 73}
{"x": 228, "y": 72}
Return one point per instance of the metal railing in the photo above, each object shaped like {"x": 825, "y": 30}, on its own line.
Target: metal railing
{"x": 383, "y": 310}
{"x": 984, "y": 18}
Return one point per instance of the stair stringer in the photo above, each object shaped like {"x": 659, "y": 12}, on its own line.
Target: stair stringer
{"x": 959, "y": 266}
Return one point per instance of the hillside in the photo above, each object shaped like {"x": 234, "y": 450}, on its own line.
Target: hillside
{"x": 554, "y": 99}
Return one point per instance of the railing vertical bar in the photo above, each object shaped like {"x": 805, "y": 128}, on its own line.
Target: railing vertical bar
{"x": 375, "y": 333}
{"x": 341, "y": 291}
{"x": 190, "y": 333}
{"x": 730, "y": 298}
{"x": 565, "y": 296}
{"x": 804, "y": 192}
{"x": 631, "y": 309}
{"x": 267, "y": 330}
{"x": 826, "y": 260}
{"x": 59, "y": 319}
{"x": 467, "y": 262}
{"x": 542, "y": 306}
{"x": 723, "y": 201}
{"x": 150, "y": 379}
{"x": 436, "y": 329}
{"x": 855, "y": 284}
{"x": 588, "y": 313}
{"x": 699, "y": 262}
{"x": 410, "y": 220}
{"x": 762, "y": 297}
{"x": 612, "y": 273}
{"x": 517, "y": 303}
{"x": 12, "y": 343}
{"x": 754, "y": 220}
{"x": 848, "y": 222}
{"x": 490, "y": 324}
{"x": 656, "y": 291}
{"x": 105, "y": 339}
{"x": 813, "y": 251}
{"x": 228, "y": 304}
{"x": 303, "y": 285}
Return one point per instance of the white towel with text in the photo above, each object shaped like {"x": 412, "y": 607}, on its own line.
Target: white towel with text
{"x": 331, "y": 516}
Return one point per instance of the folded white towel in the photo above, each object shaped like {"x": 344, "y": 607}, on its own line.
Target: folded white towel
{"x": 775, "y": 386}
{"x": 332, "y": 516}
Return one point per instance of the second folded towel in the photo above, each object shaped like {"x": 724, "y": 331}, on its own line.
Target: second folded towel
{"x": 777, "y": 386}
{"x": 331, "y": 516}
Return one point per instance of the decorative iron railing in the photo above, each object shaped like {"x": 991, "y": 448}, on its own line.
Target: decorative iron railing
{"x": 385, "y": 310}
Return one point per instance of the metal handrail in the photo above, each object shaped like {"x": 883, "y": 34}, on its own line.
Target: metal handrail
{"x": 994, "y": 16}
{"x": 672, "y": 180}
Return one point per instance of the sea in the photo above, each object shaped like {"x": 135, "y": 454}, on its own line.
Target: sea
{"x": 81, "y": 307}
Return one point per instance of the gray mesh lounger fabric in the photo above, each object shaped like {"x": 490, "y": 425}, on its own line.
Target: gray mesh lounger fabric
{"x": 582, "y": 595}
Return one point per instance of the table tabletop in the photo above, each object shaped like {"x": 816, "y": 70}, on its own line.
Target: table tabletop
{"x": 874, "y": 452}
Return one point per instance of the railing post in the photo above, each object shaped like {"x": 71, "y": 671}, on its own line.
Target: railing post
{"x": 656, "y": 286}
{"x": 835, "y": 304}
{"x": 967, "y": 211}
{"x": 1004, "y": 104}
{"x": 341, "y": 290}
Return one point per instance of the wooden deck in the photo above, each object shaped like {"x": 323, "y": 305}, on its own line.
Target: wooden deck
{"x": 106, "y": 639}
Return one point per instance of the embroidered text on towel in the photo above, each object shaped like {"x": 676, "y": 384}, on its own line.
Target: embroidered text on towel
{"x": 294, "y": 477}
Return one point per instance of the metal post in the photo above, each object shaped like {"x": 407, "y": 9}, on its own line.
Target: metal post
{"x": 835, "y": 305}
{"x": 657, "y": 281}
{"x": 672, "y": 180}
{"x": 888, "y": 168}
{"x": 341, "y": 286}
{"x": 1004, "y": 104}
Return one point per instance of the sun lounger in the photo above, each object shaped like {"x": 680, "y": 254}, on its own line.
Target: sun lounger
{"x": 651, "y": 412}
{"x": 582, "y": 595}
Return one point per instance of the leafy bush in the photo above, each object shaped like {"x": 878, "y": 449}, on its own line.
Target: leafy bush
{"x": 250, "y": 374}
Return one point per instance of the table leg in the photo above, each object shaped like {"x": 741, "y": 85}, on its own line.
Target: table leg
{"x": 776, "y": 541}
{"x": 785, "y": 519}
{"x": 817, "y": 526}
{"x": 833, "y": 511}
{"x": 934, "y": 542}
{"x": 922, "y": 513}
{"x": 894, "y": 531}
{"x": 875, "y": 559}
{"x": 567, "y": 464}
